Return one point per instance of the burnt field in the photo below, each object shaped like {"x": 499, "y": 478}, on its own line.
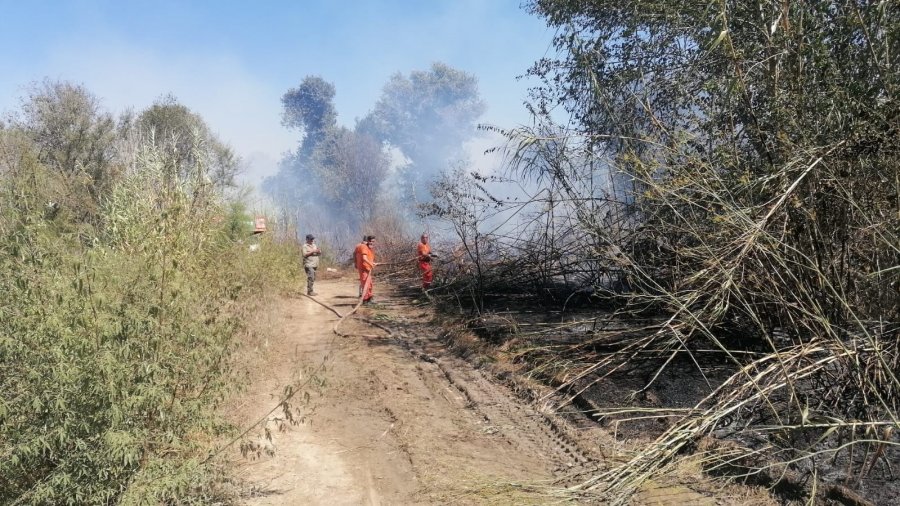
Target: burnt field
{"x": 733, "y": 408}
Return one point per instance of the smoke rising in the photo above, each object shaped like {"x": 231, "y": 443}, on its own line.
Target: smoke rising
{"x": 338, "y": 181}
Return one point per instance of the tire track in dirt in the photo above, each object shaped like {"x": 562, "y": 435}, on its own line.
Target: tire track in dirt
{"x": 507, "y": 405}
{"x": 403, "y": 420}
{"x": 518, "y": 422}
{"x": 399, "y": 423}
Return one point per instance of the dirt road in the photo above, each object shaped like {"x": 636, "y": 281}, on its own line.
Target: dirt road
{"x": 398, "y": 421}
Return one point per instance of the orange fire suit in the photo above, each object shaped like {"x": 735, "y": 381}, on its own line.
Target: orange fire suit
{"x": 423, "y": 255}
{"x": 364, "y": 258}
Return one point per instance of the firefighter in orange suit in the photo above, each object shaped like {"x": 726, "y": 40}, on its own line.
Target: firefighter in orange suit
{"x": 424, "y": 256}
{"x": 364, "y": 257}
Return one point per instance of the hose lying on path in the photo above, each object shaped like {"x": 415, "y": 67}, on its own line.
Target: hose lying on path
{"x": 300, "y": 388}
{"x": 352, "y": 311}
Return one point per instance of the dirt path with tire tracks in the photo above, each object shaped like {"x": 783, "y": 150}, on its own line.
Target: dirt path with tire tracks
{"x": 399, "y": 419}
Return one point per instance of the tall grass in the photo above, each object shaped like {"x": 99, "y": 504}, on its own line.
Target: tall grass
{"x": 116, "y": 334}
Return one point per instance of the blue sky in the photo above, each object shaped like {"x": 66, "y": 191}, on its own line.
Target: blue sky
{"x": 232, "y": 61}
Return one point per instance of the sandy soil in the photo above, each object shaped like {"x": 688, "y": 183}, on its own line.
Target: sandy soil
{"x": 399, "y": 419}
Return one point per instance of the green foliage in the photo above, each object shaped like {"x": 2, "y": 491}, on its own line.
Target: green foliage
{"x": 428, "y": 115}
{"x": 737, "y": 116}
{"x": 239, "y": 222}
{"x": 116, "y": 336}
{"x": 186, "y": 139}
{"x": 336, "y": 174}
{"x": 348, "y": 170}
{"x": 427, "y": 110}
{"x": 74, "y": 137}
{"x": 310, "y": 107}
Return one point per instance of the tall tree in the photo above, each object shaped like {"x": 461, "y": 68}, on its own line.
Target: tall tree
{"x": 187, "y": 141}
{"x": 427, "y": 115}
{"x": 74, "y": 137}
{"x": 334, "y": 176}
{"x": 310, "y": 108}
{"x": 349, "y": 168}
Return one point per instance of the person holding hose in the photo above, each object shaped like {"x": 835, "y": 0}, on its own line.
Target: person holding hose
{"x": 364, "y": 256}
{"x": 424, "y": 256}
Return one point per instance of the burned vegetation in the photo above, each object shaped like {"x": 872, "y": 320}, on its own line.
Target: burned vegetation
{"x": 705, "y": 255}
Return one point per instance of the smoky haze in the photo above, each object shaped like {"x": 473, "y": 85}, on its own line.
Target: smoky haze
{"x": 339, "y": 183}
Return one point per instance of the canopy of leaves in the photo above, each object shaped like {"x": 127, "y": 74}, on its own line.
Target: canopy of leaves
{"x": 185, "y": 138}
{"x": 310, "y": 108}
{"x": 761, "y": 77}
{"x": 428, "y": 115}
{"x": 74, "y": 137}
{"x": 349, "y": 169}
{"x": 428, "y": 110}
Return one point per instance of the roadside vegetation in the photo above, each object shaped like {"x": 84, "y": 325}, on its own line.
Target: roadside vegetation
{"x": 720, "y": 205}
{"x": 124, "y": 278}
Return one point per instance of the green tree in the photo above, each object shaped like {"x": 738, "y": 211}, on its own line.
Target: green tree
{"x": 75, "y": 137}
{"x": 427, "y": 115}
{"x": 349, "y": 169}
{"x": 335, "y": 174}
{"x": 310, "y": 108}
{"x": 185, "y": 138}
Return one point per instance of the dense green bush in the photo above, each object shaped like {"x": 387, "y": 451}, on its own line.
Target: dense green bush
{"x": 116, "y": 334}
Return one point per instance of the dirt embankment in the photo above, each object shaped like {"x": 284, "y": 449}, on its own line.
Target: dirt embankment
{"x": 398, "y": 419}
